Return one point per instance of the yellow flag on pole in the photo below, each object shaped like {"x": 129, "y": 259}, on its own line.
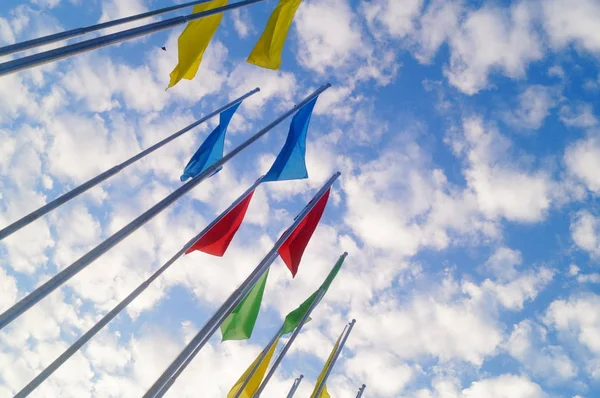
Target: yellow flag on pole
{"x": 267, "y": 51}
{"x": 257, "y": 377}
{"x": 324, "y": 393}
{"x": 194, "y": 40}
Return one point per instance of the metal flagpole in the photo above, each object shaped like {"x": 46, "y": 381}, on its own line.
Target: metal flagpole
{"x": 40, "y": 41}
{"x": 335, "y": 357}
{"x": 38, "y": 294}
{"x": 39, "y": 379}
{"x": 295, "y": 386}
{"x": 361, "y": 391}
{"x": 48, "y": 207}
{"x": 257, "y": 364}
{"x": 168, "y": 377}
{"x": 288, "y": 344}
{"x": 103, "y": 41}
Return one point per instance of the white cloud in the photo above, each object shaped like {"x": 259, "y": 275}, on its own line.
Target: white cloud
{"x": 567, "y": 23}
{"x": 493, "y": 39}
{"x": 556, "y": 71}
{"x": 274, "y": 85}
{"x": 503, "y": 263}
{"x": 8, "y": 290}
{"x": 46, "y": 3}
{"x": 535, "y": 104}
{"x": 583, "y": 161}
{"x": 438, "y": 22}
{"x": 115, "y": 9}
{"x": 397, "y": 17}
{"x": 513, "y": 294}
{"x": 242, "y": 22}
{"x": 588, "y": 278}
{"x": 501, "y": 187}
{"x": 385, "y": 375}
{"x": 510, "y": 288}
{"x": 585, "y": 231}
{"x": 577, "y": 321}
{"x": 441, "y": 323}
{"x": 329, "y": 35}
{"x": 501, "y": 386}
{"x": 504, "y": 386}
{"x": 578, "y": 115}
{"x": 528, "y": 344}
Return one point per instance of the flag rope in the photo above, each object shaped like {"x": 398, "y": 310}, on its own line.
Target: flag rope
{"x": 67, "y": 34}
{"x": 48, "y": 207}
{"x": 168, "y": 377}
{"x": 49, "y": 286}
{"x": 103, "y": 41}
{"x": 69, "y": 352}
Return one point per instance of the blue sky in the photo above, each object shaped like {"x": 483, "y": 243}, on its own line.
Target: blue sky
{"x": 467, "y": 137}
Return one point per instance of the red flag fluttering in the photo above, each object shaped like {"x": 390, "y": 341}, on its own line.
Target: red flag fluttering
{"x": 292, "y": 249}
{"x": 217, "y": 239}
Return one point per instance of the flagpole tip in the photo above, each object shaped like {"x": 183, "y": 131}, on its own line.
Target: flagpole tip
{"x": 256, "y": 90}
{"x": 344, "y": 254}
{"x": 353, "y": 321}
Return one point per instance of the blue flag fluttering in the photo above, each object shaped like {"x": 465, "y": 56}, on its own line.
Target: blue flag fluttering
{"x": 211, "y": 149}
{"x": 290, "y": 163}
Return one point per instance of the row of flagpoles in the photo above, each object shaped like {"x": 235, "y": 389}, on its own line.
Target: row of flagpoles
{"x": 237, "y": 316}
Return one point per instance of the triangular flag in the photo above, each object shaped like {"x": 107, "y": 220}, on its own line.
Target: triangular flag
{"x": 324, "y": 393}
{"x": 292, "y": 249}
{"x": 240, "y": 323}
{"x": 256, "y": 378}
{"x": 211, "y": 149}
{"x": 217, "y": 239}
{"x": 290, "y": 163}
{"x": 293, "y": 319}
{"x": 267, "y": 51}
{"x": 194, "y": 40}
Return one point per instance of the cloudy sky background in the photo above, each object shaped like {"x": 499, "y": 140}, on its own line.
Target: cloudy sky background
{"x": 468, "y": 141}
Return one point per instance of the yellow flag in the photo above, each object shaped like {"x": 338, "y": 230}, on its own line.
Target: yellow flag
{"x": 257, "y": 377}
{"x": 267, "y": 52}
{"x": 193, "y": 42}
{"x": 324, "y": 393}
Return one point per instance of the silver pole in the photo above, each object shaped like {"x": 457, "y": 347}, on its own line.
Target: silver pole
{"x": 295, "y": 386}
{"x": 40, "y": 41}
{"x": 361, "y": 391}
{"x": 48, "y": 207}
{"x": 288, "y": 344}
{"x": 39, "y": 379}
{"x": 99, "y": 42}
{"x": 262, "y": 356}
{"x": 163, "y": 383}
{"x": 335, "y": 357}
{"x": 38, "y": 294}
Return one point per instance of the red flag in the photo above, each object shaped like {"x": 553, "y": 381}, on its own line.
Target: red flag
{"x": 216, "y": 240}
{"x": 292, "y": 249}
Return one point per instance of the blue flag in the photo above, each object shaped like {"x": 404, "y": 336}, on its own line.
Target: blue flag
{"x": 290, "y": 163}
{"x": 211, "y": 149}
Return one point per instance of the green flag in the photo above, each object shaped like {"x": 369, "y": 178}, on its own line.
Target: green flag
{"x": 292, "y": 320}
{"x": 240, "y": 323}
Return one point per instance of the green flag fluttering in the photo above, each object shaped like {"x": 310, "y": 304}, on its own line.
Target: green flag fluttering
{"x": 292, "y": 320}
{"x": 240, "y": 323}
